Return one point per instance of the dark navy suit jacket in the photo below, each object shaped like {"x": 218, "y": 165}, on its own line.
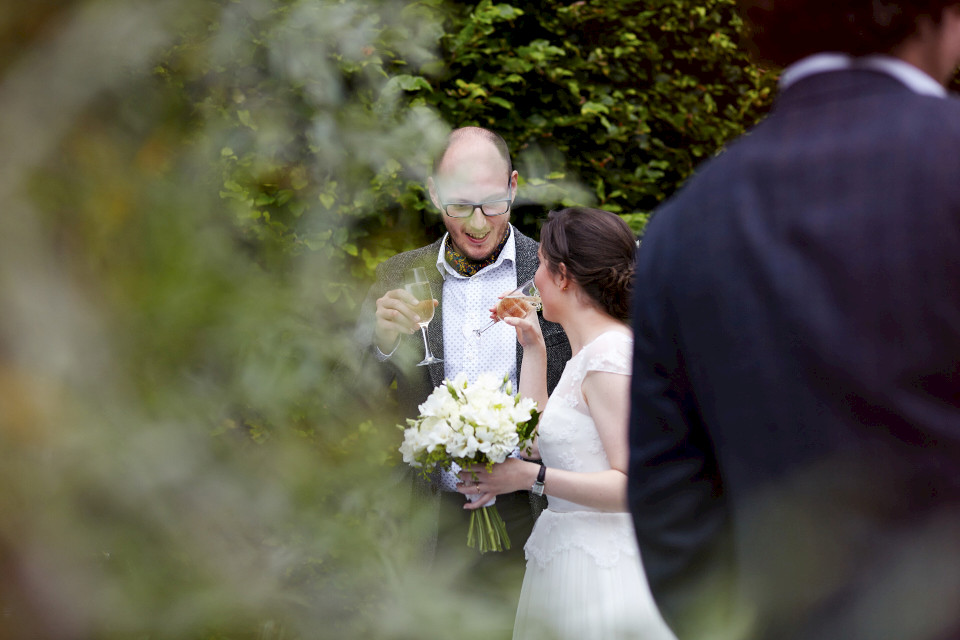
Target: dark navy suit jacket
{"x": 795, "y": 432}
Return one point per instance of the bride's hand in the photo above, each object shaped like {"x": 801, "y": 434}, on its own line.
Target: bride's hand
{"x": 506, "y": 477}
{"x": 528, "y": 330}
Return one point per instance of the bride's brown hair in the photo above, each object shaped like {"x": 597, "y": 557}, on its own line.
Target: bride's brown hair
{"x": 597, "y": 249}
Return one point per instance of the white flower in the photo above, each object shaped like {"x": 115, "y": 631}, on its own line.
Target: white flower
{"x": 522, "y": 411}
{"x": 440, "y": 404}
{"x": 499, "y": 452}
{"x": 412, "y": 446}
{"x": 460, "y": 382}
{"x": 488, "y": 381}
{"x": 463, "y": 445}
{"x": 435, "y": 432}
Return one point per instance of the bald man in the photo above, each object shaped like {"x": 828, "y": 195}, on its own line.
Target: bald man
{"x": 473, "y": 185}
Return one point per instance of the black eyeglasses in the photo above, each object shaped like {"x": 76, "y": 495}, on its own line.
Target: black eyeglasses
{"x": 489, "y": 208}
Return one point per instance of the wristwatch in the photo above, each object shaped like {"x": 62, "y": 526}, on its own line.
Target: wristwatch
{"x": 537, "y": 488}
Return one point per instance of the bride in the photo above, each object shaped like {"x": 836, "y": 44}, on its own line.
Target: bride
{"x": 584, "y": 578}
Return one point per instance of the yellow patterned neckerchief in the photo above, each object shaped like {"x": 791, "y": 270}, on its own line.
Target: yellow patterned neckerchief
{"x": 464, "y": 265}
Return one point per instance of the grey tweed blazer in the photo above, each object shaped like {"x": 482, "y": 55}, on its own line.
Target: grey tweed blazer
{"x": 415, "y": 383}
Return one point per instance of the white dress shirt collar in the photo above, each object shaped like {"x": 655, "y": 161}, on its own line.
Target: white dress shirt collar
{"x": 907, "y": 74}
{"x": 509, "y": 252}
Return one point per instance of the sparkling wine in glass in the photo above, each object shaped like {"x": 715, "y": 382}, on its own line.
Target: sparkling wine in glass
{"x": 515, "y": 304}
{"x": 418, "y": 286}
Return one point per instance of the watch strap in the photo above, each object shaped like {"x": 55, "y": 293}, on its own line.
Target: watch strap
{"x": 537, "y": 487}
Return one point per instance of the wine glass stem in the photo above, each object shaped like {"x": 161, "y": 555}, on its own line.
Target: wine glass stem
{"x": 426, "y": 345}
{"x": 479, "y": 331}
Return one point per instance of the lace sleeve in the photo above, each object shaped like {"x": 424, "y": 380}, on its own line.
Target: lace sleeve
{"x": 611, "y": 353}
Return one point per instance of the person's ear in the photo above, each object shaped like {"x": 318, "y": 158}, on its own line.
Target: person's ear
{"x": 562, "y": 277}
{"x": 951, "y": 18}
{"x": 513, "y": 185}
{"x": 434, "y": 196}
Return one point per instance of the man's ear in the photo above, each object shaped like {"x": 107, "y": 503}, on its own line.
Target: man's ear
{"x": 434, "y": 196}
{"x": 951, "y": 17}
{"x": 513, "y": 185}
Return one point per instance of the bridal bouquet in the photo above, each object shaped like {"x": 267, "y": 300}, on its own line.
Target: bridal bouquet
{"x": 463, "y": 424}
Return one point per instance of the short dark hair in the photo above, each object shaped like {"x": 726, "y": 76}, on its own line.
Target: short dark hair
{"x": 492, "y": 137}
{"x": 598, "y": 250}
{"x": 784, "y": 31}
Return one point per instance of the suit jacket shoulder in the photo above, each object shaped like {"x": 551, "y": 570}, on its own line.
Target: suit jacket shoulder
{"x": 389, "y": 273}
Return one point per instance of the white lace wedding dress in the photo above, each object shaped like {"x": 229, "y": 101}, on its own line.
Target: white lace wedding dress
{"x": 584, "y": 578}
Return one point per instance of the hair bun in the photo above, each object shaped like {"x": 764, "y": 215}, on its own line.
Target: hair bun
{"x": 617, "y": 288}
{"x": 623, "y": 276}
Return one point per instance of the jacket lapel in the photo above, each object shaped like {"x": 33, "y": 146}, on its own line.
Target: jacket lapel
{"x": 526, "y": 257}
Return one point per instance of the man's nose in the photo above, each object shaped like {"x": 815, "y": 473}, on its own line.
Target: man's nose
{"x": 477, "y": 220}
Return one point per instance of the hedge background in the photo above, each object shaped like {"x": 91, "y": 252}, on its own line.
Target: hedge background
{"x": 607, "y": 103}
{"x": 195, "y": 194}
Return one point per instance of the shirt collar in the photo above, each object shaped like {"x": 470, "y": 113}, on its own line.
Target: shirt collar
{"x": 907, "y": 74}
{"x": 509, "y": 252}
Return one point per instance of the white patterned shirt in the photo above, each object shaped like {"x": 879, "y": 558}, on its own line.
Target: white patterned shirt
{"x": 466, "y": 306}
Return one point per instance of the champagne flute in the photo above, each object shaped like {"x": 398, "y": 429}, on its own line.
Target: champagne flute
{"x": 515, "y": 304}
{"x": 418, "y": 286}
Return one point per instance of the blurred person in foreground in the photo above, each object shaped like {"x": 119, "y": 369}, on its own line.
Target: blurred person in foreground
{"x": 584, "y": 579}
{"x": 480, "y": 257}
{"x": 795, "y": 432}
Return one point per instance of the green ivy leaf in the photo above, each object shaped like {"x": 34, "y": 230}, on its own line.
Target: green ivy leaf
{"x": 244, "y": 116}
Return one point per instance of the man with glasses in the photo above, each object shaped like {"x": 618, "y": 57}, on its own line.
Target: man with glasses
{"x": 480, "y": 257}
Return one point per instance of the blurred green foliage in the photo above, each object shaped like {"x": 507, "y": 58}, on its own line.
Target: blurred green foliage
{"x": 183, "y": 451}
